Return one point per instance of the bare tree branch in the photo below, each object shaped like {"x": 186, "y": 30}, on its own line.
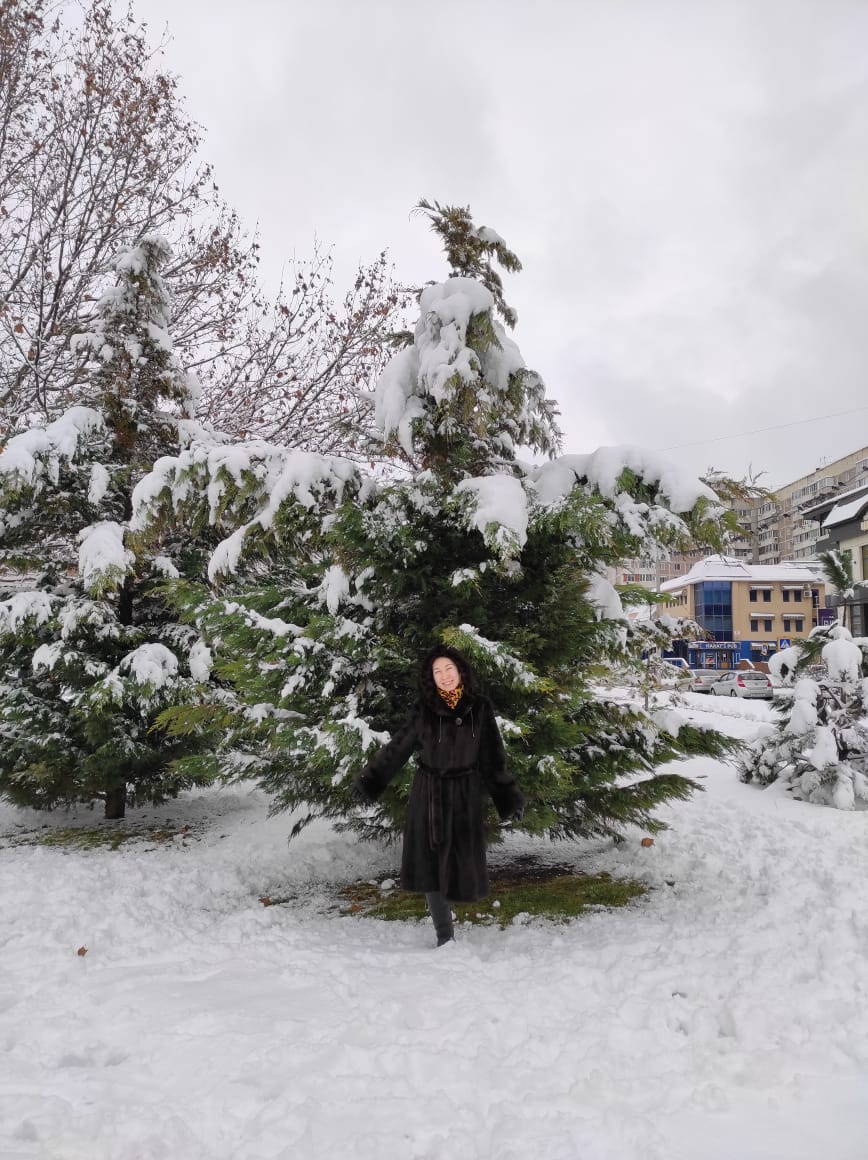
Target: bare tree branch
{"x": 96, "y": 150}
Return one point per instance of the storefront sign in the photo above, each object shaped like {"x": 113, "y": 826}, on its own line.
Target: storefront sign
{"x": 726, "y": 645}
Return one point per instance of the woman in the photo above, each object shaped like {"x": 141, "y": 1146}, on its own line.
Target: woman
{"x": 460, "y": 753}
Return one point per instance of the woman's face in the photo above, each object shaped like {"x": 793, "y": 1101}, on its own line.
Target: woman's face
{"x": 446, "y": 674}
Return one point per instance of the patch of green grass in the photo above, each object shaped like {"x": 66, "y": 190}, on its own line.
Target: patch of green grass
{"x": 553, "y": 892}
{"x": 109, "y": 836}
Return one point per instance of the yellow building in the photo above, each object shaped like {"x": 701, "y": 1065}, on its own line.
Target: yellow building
{"x": 749, "y": 610}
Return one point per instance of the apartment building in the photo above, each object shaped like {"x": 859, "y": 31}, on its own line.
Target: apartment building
{"x": 780, "y": 529}
{"x": 775, "y": 530}
{"x": 653, "y": 573}
{"x": 842, "y": 525}
{"x": 750, "y": 611}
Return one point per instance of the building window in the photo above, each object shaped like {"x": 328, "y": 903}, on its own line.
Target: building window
{"x": 786, "y": 596}
{"x": 768, "y": 625}
{"x": 767, "y": 595}
{"x": 797, "y": 596}
{"x": 753, "y": 596}
{"x": 713, "y": 608}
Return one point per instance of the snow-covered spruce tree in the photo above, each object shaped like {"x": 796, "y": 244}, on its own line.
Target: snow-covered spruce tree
{"x": 334, "y": 583}
{"x": 820, "y": 745}
{"x": 89, "y": 654}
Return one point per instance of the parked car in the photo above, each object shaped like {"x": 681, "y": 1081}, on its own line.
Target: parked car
{"x": 743, "y": 683}
{"x": 677, "y": 663}
{"x": 703, "y": 679}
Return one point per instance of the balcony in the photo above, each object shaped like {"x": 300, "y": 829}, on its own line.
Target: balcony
{"x": 859, "y": 595}
{"x": 838, "y": 600}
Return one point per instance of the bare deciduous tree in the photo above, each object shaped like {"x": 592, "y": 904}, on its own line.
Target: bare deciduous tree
{"x": 96, "y": 150}
{"x": 302, "y": 364}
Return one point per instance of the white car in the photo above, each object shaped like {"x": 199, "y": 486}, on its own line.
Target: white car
{"x": 703, "y": 679}
{"x": 743, "y": 683}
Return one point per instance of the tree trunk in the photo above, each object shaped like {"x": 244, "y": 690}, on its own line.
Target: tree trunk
{"x": 115, "y": 801}
{"x": 116, "y": 793}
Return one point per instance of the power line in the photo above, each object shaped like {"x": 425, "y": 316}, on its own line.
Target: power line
{"x": 762, "y": 430}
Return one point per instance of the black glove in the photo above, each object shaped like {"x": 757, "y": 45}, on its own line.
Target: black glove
{"x": 359, "y": 793}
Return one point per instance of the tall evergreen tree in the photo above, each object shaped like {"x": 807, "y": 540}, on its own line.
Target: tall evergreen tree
{"x": 335, "y": 582}
{"x": 88, "y": 652}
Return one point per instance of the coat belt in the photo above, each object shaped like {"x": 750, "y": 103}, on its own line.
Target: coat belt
{"x": 434, "y": 788}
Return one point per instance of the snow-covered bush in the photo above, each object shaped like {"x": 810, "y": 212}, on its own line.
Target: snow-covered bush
{"x": 820, "y": 746}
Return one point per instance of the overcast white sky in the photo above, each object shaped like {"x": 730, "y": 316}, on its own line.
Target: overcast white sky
{"x": 685, "y": 183}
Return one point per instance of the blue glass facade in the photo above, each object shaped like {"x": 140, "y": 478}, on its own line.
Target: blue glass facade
{"x": 713, "y": 608}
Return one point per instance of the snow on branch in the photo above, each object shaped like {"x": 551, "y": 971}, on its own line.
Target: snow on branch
{"x": 445, "y": 310}
{"x": 503, "y": 506}
{"x": 200, "y": 661}
{"x": 842, "y": 657}
{"x": 273, "y": 624}
{"x": 459, "y": 347}
{"x": 395, "y": 401}
{"x": 499, "y": 512}
{"x": 604, "y": 598}
{"x": 335, "y": 588}
{"x": 24, "y": 606}
{"x": 782, "y": 664}
{"x": 258, "y": 476}
{"x": 103, "y": 561}
{"x": 602, "y": 470}
{"x": 37, "y": 453}
{"x": 495, "y": 655}
{"x": 151, "y": 664}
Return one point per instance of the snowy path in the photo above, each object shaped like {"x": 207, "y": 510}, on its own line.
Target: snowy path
{"x": 724, "y": 1017}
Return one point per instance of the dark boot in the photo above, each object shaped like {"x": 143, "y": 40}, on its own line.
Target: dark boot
{"x": 441, "y": 913}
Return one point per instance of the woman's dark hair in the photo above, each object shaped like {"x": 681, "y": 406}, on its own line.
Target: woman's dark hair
{"x": 426, "y": 672}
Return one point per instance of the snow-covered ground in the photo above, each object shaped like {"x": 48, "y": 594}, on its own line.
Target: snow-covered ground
{"x": 722, "y": 1017}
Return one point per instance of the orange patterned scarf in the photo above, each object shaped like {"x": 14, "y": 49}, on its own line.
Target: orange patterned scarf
{"x": 451, "y": 696}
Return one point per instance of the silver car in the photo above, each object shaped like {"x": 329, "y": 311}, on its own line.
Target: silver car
{"x": 743, "y": 683}
{"x": 703, "y": 679}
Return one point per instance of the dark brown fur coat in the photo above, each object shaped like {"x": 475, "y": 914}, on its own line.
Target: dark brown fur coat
{"x": 460, "y": 756}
